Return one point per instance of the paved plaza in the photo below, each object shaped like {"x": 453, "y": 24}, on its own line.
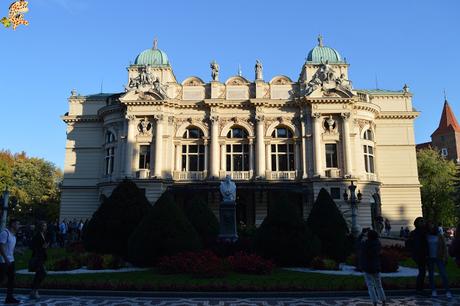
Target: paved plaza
{"x": 215, "y": 301}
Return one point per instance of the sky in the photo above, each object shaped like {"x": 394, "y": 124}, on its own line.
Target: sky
{"x": 87, "y": 45}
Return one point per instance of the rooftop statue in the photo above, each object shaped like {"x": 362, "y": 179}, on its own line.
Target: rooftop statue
{"x": 228, "y": 190}
{"x": 215, "y": 71}
{"x": 259, "y": 70}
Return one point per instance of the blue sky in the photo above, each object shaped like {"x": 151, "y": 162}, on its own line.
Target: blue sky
{"x": 81, "y": 44}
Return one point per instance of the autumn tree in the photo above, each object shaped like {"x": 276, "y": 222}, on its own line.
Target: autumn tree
{"x": 437, "y": 176}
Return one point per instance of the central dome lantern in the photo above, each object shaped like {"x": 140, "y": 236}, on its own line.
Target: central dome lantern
{"x": 321, "y": 54}
{"x": 152, "y": 57}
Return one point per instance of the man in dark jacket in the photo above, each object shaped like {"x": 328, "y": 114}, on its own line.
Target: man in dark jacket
{"x": 418, "y": 246}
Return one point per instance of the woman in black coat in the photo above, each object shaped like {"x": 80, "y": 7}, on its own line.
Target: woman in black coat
{"x": 39, "y": 255}
{"x": 371, "y": 266}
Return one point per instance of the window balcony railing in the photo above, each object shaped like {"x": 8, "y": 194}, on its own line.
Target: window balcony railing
{"x": 332, "y": 173}
{"x": 240, "y": 175}
{"x": 189, "y": 175}
{"x": 371, "y": 177}
{"x": 143, "y": 174}
{"x": 281, "y": 175}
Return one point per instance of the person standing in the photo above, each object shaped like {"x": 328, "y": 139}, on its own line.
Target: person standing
{"x": 371, "y": 267}
{"x": 37, "y": 261}
{"x": 7, "y": 266}
{"x": 437, "y": 255}
{"x": 387, "y": 227}
{"x": 63, "y": 233}
{"x": 454, "y": 248}
{"x": 418, "y": 247}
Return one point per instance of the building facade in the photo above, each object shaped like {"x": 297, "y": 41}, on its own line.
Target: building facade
{"x": 446, "y": 138}
{"x": 279, "y": 134}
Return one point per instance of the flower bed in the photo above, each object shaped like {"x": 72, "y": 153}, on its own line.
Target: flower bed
{"x": 250, "y": 264}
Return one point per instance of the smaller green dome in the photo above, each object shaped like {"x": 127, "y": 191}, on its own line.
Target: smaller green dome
{"x": 152, "y": 57}
{"x": 321, "y": 53}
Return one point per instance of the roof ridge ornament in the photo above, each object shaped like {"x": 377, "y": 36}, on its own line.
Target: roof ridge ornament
{"x": 445, "y": 95}
{"x": 155, "y": 43}
{"x": 320, "y": 40}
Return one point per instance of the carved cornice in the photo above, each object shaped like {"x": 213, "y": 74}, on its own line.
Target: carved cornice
{"x": 370, "y": 107}
{"x": 85, "y": 118}
{"x": 398, "y": 115}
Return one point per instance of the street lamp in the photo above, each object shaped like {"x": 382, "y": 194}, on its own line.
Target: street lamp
{"x": 353, "y": 200}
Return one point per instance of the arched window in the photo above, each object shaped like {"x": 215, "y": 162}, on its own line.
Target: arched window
{"x": 193, "y": 150}
{"x": 368, "y": 149}
{"x": 109, "y": 152}
{"x": 282, "y": 150}
{"x": 237, "y": 150}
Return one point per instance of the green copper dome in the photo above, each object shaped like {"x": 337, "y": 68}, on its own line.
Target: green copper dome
{"x": 152, "y": 57}
{"x": 321, "y": 53}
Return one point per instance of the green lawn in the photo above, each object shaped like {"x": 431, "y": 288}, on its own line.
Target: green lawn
{"x": 279, "y": 280}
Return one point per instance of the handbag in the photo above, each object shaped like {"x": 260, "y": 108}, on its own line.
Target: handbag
{"x": 33, "y": 264}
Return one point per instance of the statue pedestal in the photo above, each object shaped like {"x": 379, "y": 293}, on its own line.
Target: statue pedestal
{"x": 227, "y": 223}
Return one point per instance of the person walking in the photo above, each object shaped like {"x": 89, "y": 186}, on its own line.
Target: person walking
{"x": 371, "y": 266}
{"x": 418, "y": 247}
{"x": 7, "y": 266}
{"x": 437, "y": 255}
{"x": 37, "y": 261}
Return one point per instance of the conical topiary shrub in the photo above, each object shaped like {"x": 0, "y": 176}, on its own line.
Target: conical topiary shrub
{"x": 164, "y": 231}
{"x": 114, "y": 221}
{"x": 284, "y": 236}
{"x": 203, "y": 219}
{"x": 327, "y": 223}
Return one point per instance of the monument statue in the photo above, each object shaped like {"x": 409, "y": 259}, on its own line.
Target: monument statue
{"x": 215, "y": 71}
{"x": 258, "y": 68}
{"x": 228, "y": 190}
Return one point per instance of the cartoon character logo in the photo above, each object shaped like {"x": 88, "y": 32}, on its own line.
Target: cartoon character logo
{"x": 16, "y": 14}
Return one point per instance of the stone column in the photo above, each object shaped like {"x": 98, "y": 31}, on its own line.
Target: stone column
{"x": 346, "y": 144}
{"x": 130, "y": 140}
{"x": 303, "y": 151}
{"x": 222, "y": 158}
{"x": 214, "y": 156}
{"x": 297, "y": 158}
{"x": 158, "y": 146}
{"x": 268, "y": 158}
{"x": 317, "y": 144}
{"x": 260, "y": 149}
{"x": 251, "y": 157}
{"x": 206, "y": 160}
{"x": 178, "y": 150}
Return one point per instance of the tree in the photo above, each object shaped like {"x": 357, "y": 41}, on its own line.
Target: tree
{"x": 203, "y": 219}
{"x": 326, "y": 221}
{"x": 112, "y": 224}
{"x": 284, "y": 236}
{"x": 437, "y": 176}
{"x": 164, "y": 231}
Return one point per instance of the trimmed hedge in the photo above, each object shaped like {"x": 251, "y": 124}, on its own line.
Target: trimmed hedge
{"x": 164, "y": 231}
{"x": 203, "y": 219}
{"x": 327, "y": 223}
{"x": 112, "y": 224}
{"x": 284, "y": 236}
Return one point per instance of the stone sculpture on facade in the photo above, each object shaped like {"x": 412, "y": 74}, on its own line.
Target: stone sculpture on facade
{"x": 228, "y": 210}
{"x": 215, "y": 71}
{"x": 144, "y": 78}
{"x": 144, "y": 127}
{"x": 326, "y": 79}
{"x": 259, "y": 70}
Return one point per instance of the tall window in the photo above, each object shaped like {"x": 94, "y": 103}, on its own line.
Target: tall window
{"x": 368, "y": 149}
{"x": 331, "y": 155}
{"x": 193, "y": 150}
{"x": 282, "y": 148}
{"x": 237, "y": 150}
{"x": 109, "y": 152}
{"x": 144, "y": 157}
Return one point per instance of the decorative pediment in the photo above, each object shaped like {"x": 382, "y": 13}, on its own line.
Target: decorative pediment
{"x": 237, "y": 81}
{"x": 193, "y": 81}
{"x": 326, "y": 83}
{"x": 280, "y": 80}
{"x": 135, "y": 95}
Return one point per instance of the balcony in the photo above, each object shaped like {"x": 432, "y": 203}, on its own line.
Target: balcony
{"x": 239, "y": 175}
{"x": 332, "y": 173}
{"x": 143, "y": 174}
{"x": 282, "y": 175}
{"x": 371, "y": 177}
{"x": 189, "y": 175}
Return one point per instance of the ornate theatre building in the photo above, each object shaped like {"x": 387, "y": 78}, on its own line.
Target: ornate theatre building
{"x": 279, "y": 134}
